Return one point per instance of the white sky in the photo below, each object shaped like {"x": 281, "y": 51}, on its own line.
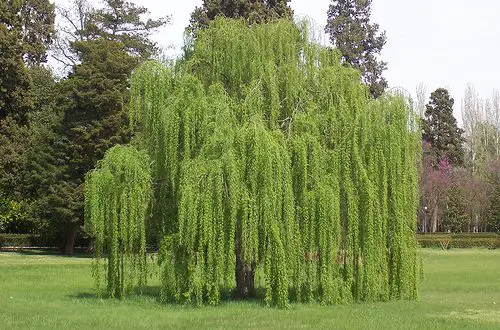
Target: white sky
{"x": 442, "y": 43}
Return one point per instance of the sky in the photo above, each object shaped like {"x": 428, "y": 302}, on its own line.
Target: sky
{"x": 440, "y": 43}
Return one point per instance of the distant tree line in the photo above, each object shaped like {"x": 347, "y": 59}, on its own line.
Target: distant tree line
{"x": 460, "y": 173}
{"x": 53, "y": 130}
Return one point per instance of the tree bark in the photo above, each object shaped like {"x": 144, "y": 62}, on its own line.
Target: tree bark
{"x": 69, "y": 242}
{"x": 245, "y": 272}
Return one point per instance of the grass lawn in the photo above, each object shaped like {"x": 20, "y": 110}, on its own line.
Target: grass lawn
{"x": 461, "y": 290}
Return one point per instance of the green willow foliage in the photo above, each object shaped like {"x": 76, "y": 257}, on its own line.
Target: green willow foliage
{"x": 117, "y": 197}
{"x": 270, "y": 156}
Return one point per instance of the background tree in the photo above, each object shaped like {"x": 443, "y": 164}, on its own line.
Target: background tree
{"x": 28, "y": 161}
{"x": 47, "y": 158}
{"x": 14, "y": 143}
{"x": 111, "y": 43}
{"x": 31, "y": 22}
{"x": 37, "y": 24}
{"x": 441, "y": 130}
{"x": 14, "y": 79}
{"x": 469, "y": 200}
{"x": 73, "y": 19}
{"x": 455, "y": 219}
{"x": 256, "y": 11}
{"x": 493, "y": 220}
{"x": 478, "y": 198}
{"x": 481, "y": 119}
{"x": 435, "y": 184}
{"x": 421, "y": 99}
{"x": 120, "y": 21}
{"x": 26, "y": 29}
{"x": 358, "y": 40}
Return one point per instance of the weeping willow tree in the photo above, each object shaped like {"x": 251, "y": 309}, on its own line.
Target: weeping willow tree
{"x": 117, "y": 197}
{"x": 273, "y": 167}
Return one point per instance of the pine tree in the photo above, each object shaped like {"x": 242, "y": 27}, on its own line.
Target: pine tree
{"x": 441, "y": 130}
{"x": 123, "y": 21}
{"x": 26, "y": 29}
{"x": 358, "y": 40}
{"x": 256, "y": 11}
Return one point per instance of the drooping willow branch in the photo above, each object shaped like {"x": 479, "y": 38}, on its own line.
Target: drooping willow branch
{"x": 117, "y": 197}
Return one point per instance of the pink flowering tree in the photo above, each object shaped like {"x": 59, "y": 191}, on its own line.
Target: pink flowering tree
{"x": 435, "y": 182}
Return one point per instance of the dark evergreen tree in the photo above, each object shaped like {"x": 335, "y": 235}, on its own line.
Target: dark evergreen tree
{"x": 31, "y": 23}
{"x": 26, "y": 29}
{"x": 122, "y": 21}
{"x": 255, "y": 11}
{"x": 441, "y": 130}
{"x": 14, "y": 80}
{"x": 37, "y": 25}
{"x": 358, "y": 40}
{"x": 45, "y": 158}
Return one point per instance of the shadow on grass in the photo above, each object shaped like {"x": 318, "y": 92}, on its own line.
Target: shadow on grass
{"x": 227, "y": 297}
{"x": 84, "y": 296}
{"x": 152, "y": 291}
{"x": 152, "y": 294}
{"x": 147, "y": 291}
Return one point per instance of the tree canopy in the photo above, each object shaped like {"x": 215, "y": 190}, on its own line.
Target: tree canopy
{"x": 26, "y": 30}
{"x": 259, "y": 11}
{"x": 272, "y": 167}
{"x": 441, "y": 130}
{"x": 32, "y": 23}
{"x": 123, "y": 21}
{"x": 358, "y": 40}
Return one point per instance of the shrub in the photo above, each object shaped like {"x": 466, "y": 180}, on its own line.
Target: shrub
{"x": 462, "y": 240}
{"x": 19, "y": 240}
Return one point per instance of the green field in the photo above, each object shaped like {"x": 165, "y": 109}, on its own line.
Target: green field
{"x": 461, "y": 290}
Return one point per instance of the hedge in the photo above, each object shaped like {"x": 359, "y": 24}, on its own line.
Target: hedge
{"x": 19, "y": 240}
{"x": 431, "y": 240}
{"x": 462, "y": 240}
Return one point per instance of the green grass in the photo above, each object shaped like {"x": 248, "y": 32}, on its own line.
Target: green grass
{"x": 461, "y": 290}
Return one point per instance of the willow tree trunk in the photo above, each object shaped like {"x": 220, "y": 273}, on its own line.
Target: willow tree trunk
{"x": 244, "y": 273}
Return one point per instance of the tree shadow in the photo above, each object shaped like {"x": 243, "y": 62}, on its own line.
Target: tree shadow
{"x": 146, "y": 291}
{"x": 84, "y": 295}
{"x": 152, "y": 293}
